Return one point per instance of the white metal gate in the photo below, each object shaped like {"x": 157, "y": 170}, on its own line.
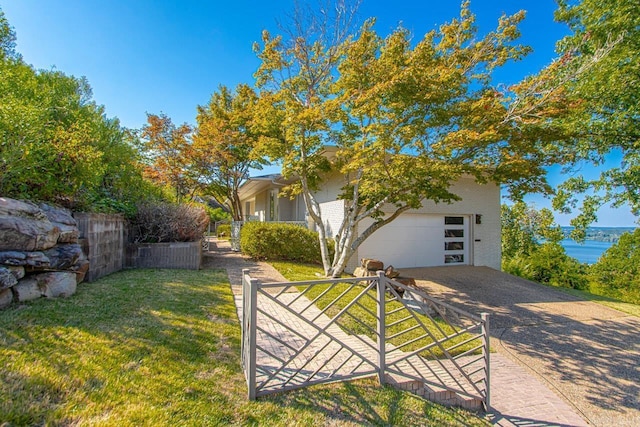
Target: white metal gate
{"x": 300, "y": 333}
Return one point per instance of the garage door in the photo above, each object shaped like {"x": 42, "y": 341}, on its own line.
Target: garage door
{"x": 420, "y": 241}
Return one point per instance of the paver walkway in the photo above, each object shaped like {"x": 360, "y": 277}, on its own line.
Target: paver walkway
{"x": 518, "y": 398}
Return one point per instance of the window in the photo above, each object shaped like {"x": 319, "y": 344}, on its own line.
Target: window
{"x": 454, "y": 220}
{"x": 449, "y": 232}
{"x": 453, "y": 246}
{"x": 453, "y": 259}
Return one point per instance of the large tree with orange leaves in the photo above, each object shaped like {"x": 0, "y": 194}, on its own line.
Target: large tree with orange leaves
{"x": 225, "y": 142}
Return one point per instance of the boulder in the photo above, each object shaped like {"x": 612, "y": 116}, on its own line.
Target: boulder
{"x": 26, "y": 290}
{"x": 6, "y": 298}
{"x": 25, "y": 227}
{"x": 372, "y": 264}
{"x": 57, "y": 284}
{"x": 62, "y": 218}
{"x": 64, "y": 256}
{"x": 7, "y": 279}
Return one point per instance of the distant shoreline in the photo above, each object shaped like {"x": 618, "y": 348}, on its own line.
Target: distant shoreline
{"x": 601, "y": 234}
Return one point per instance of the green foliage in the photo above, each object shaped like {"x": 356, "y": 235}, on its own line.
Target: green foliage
{"x": 279, "y": 241}
{"x": 617, "y": 272}
{"x": 530, "y": 248}
{"x": 57, "y": 145}
{"x": 225, "y": 145}
{"x": 549, "y": 264}
{"x": 408, "y": 117}
{"x": 602, "y": 78}
{"x": 167, "y": 222}
{"x": 524, "y": 227}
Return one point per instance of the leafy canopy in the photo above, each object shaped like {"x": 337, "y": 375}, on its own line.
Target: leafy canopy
{"x": 602, "y": 55}
{"x": 406, "y": 118}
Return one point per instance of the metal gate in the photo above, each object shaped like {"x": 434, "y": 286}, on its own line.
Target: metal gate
{"x": 297, "y": 334}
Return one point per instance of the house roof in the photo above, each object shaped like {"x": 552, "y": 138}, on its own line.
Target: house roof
{"x": 257, "y": 184}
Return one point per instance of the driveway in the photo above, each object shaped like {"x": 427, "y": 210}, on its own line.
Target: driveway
{"x": 585, "y": 352}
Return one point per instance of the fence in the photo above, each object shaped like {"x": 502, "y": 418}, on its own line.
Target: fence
{"x": 297, "y": 334}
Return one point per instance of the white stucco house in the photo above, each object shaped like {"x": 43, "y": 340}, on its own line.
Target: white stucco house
{"x": 466, "y": 232}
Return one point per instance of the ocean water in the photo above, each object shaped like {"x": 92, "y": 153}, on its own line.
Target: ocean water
{"x": 587, "y": 252}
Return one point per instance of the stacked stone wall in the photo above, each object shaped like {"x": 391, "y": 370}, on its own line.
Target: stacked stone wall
{"x": 40, "y": 253}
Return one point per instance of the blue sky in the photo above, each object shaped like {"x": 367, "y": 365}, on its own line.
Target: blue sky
{"x": 169, "y": 56}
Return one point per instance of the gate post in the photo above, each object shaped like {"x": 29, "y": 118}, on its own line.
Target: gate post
{"x": 486, "y": 352}
{"x": 249, "y": 318}
{"x": 381, "y": 326}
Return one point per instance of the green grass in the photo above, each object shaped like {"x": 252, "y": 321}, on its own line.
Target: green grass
{"x": 626, "y": 307}
{"x": 300, "y": 272}
{"x": 162, "y": 348}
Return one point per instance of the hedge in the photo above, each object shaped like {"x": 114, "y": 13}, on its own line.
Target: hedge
{"x": 280, "y": 242}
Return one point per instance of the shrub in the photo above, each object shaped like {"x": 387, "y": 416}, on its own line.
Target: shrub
{"x": 617, "y": 272}
{"x": 549, "y": 264}
{"x": 166, "y": 222}
{"x": 280, "y": 241}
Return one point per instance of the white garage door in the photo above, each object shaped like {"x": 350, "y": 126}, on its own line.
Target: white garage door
{"x": 413, "y": 240}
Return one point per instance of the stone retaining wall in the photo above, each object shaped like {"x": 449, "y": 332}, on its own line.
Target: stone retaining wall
{"x": 40, "y": 255}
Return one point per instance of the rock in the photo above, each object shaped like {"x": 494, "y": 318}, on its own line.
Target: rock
{"x": 391, "y": 273}
{"x": 62, "y": 218}
{"x": 57, "y": 284}
{"x": 29, "y": 259}
{"x": 63, "y": 256}
{"x": 25, "y": 227}
{"x": 81, "y": 268}
{"x": 372, "y": 264}
{"x": 7, "y": 279}
{"x": 13, "y": 258}
{"x": 26, "y": 290}
{"x": 6, "y": 298}
{"x": 17, "y": 271}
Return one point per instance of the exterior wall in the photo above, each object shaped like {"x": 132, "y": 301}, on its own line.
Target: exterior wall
{"x": 477, "y": 199}
{"x": 261, "y": 205}
{"x": 332, "y": 215}
{"x": 102, "y": 238}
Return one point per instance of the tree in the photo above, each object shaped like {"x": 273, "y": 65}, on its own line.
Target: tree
{"x": 169, "y": 154}
{"x": 531, "y": 248}
{"x": 57, "y": 145}
{"x": 7, "y": 39}
{"x": 407, "y": 120}
{"x": 225, "y": 144}
{"x": 524, "y": 228}
{"x": 617, "y": 272}
{"x": 605, "y": 33}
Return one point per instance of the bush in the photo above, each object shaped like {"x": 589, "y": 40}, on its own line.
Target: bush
{"x": 617, "y": 272}
{"x": 549, "y": 264}
{"x": 166, "y": 222}
{"x": 279, "y": 241}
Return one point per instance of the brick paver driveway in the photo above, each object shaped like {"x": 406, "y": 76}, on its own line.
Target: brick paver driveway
{"x": 586, "y": 353}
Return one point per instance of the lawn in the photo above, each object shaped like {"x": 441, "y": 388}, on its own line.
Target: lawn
{"x": 162, "y": 347}
{"x": 360, "y": 318}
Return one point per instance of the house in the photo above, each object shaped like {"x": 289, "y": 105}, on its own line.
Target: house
{"x": 466, "y": 232}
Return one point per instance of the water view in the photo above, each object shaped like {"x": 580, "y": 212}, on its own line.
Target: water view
{"x": 587, "y": 252}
